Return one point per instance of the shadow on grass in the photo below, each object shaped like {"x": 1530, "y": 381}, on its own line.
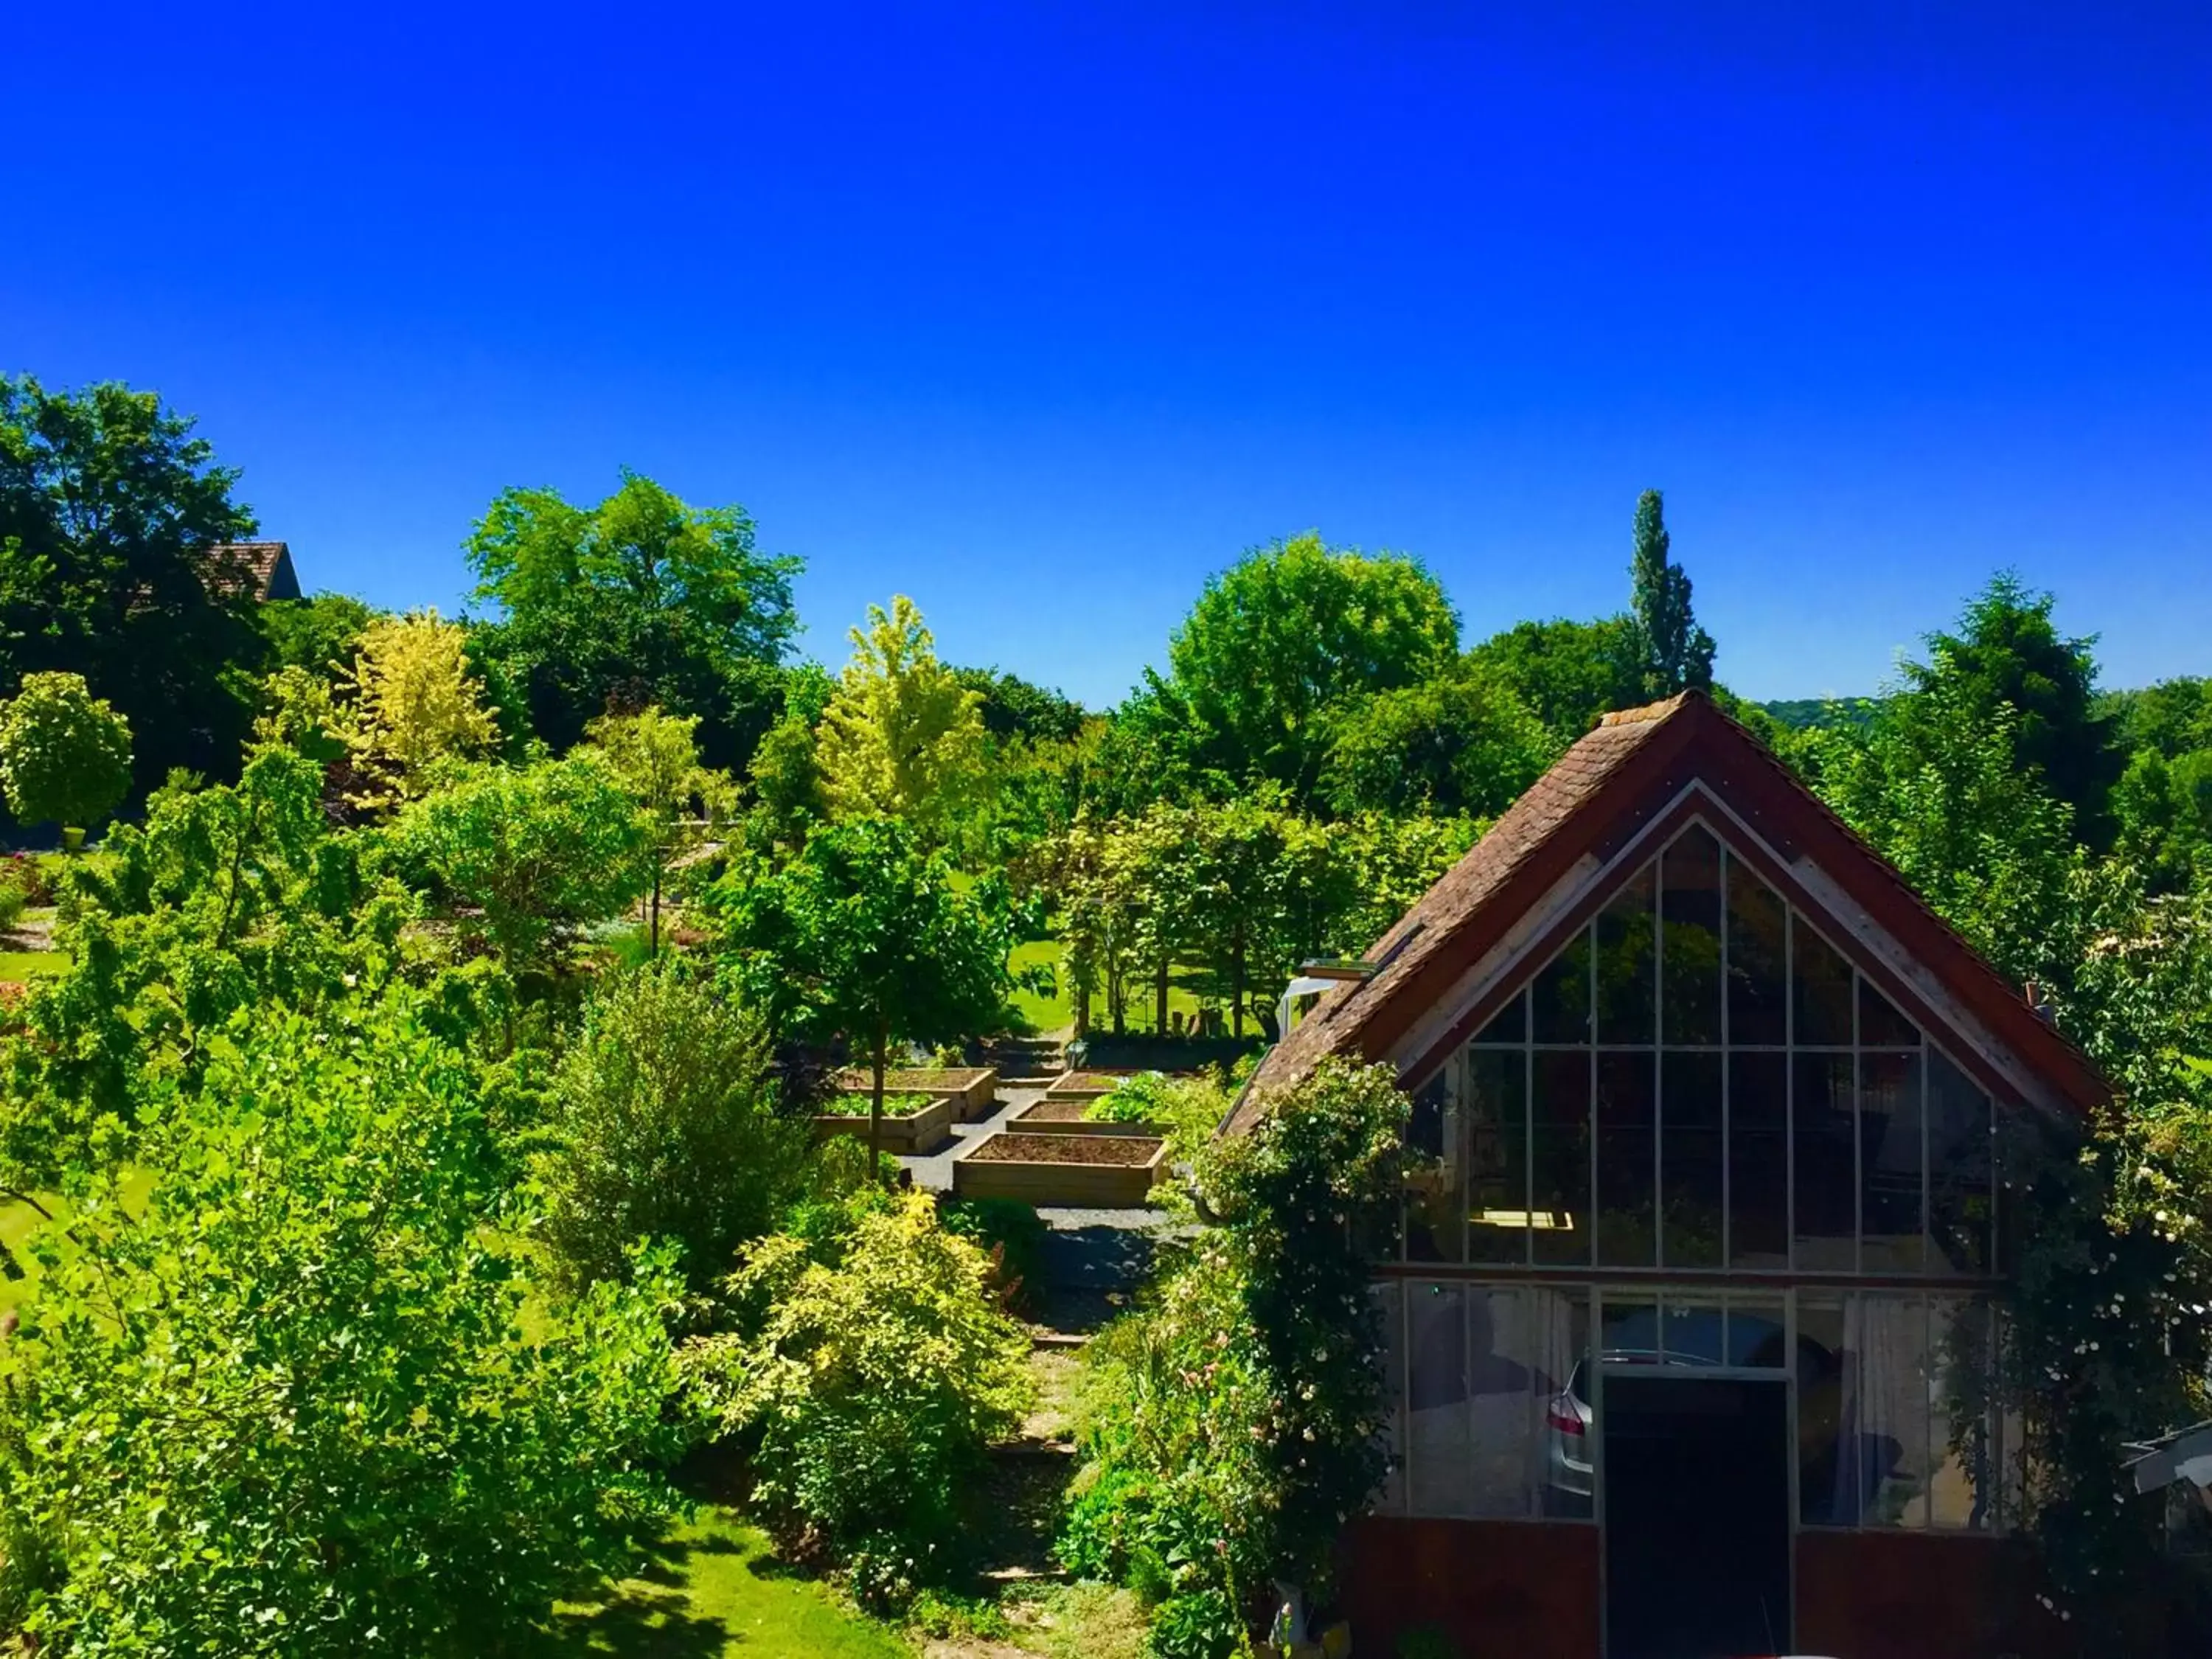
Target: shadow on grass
{"x": 648, "y": 1617}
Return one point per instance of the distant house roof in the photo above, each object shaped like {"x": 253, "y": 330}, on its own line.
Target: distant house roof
{"x": 1616, "y": 781}
{"x": 259, "y": 570}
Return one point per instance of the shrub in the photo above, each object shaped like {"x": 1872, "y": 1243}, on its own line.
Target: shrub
{"x": 1013, "y": 1234}
{"x": 666, "y": 1126}
{"x": 311, "y": 1366}
{"x": 869, "y": 1370}
{"x": 1188, "y": 1108}
{"x": 12, "y": 903}
{"x": 1233, "y": 1425}
{"x": 64, "y": 754}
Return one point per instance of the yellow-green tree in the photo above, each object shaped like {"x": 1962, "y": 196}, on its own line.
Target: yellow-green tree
{"x": 901, "y": 737}
{"x": 655, "y": 758}
{"x": 414, "y": 702}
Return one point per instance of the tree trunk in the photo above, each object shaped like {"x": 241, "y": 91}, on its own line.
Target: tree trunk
{"x": 1160, "y": 999}
{"x": 1237, "y": 982}
{"x": 654, "y": 949}
{"x": 1082, "y": 1005}
{"x": 876, "y": 1105}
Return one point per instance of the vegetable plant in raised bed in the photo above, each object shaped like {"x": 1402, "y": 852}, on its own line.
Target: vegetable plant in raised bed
{"x": 911, "y": 1121}
{"x": 972, "y": 1088}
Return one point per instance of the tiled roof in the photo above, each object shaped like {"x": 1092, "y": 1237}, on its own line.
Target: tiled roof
{"x": 1564, "y": 798}
{"x": 260, "y": 570}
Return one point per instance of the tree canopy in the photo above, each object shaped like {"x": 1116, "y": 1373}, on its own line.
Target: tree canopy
{"x": 64, "y": 754}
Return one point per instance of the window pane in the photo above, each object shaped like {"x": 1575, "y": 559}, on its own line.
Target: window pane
{"x": 1881, "y": 1025}
{"x": 1508, "y": 1025}
{"x": 1759, "y": 959}
{"x": 1827, "y": 1174}
{"x": 1631, "y": 1334}
{"x": 1821, "y": 982}
{"x": 1626, "y": 1121}
{"x": 1561, "y": 994}
{"x": 1757, "y": 1334}
{"x": 1389, "y": 1300}
{"x": 1433, "y": 1229}
{"x": 1889, "y": 1164}
{"x": 1962, "y": 1482}
{"x": 1960, "y": 1161}
{"x": 1498, "y": 1154}
{"x": 1626, "y": 980}
{"x": 1436, "y": 1400}
{"x": 1561, "y": 1144}
{"x": 1562, "y": 1392}
{"x": 1690, "y": 941}
{"x": 1759, "y": 1160}
{"x": 1695, "y": 1333}
{"x": 1823, "y": 1499}
{"x": 1690, "y": 1151}
{"x": 1504, "y": 1353}
{"x": 1885, "y": 1412}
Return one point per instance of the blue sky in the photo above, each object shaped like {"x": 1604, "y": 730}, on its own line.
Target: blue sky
{"x": 1042, "y": 313}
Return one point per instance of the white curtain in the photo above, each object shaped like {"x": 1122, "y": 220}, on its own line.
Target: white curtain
{"x": 1881, "y": 1466}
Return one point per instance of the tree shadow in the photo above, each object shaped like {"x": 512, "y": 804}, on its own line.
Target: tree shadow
{"x": 645, "y": 1617}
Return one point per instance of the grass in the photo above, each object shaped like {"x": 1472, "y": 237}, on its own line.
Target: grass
{"x": 1052, "y": 1015}
{"x": 714, "y": 1590}
{"x": 18, "y": 1221}
{"x": 19, "y": 966}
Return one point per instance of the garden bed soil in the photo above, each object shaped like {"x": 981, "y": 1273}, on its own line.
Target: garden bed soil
{"x": 973, "y": 1090}
{"x": 1085, "y": 1085}
{"x": 1076, "y": 1170}
{"x": 909, "y": 1132}
{"x": 1064, "y": 1116}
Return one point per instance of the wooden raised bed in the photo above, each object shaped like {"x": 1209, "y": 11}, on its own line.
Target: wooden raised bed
{"x": 974, "y": 1091}
{"x": 909, "y": 1132}
{"x": 1081, "y": 1171}
{"x": 1083, "y": 1085}
{"x": 1064, "y": 1116}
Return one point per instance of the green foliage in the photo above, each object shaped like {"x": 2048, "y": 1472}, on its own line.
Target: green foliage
{"x": 1013, "y": 708}
{"x": 1676, "y": 653}
{"x": 787, "y": 781}
{"x": 654, "y": 757}
{"x": 64, "y": 754}
{"x": 1290, "y": 633}
{"x": 320, "y": 634}
{"x": 2163, "y": 812}
{"x": 227, "y": 898}
{"x": 1820, "y": 714}
{"x": 1233, "y": 1425}
{"x": 108, "y": 505}
{"x": 870, "y": 1370}
{"x": 641, "y": 600}
{"x": 412, "y": 706}
{"x": 1568, "y": 673}
{"x": 665, "y": 1125}
{"x": 527, "y": 855}
{"x": 902, "y": 737}
{"x": 1012, "y": 1235}
{"x": 1461, "y": 744}
{"x": 311, "y": 1362}
{"x": 2008, "y": 653}
{"x": 867, "y": 936}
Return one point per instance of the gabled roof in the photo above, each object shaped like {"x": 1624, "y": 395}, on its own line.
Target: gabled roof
{"x": 258, "y": 570}
{"x": 1600, "y": 794}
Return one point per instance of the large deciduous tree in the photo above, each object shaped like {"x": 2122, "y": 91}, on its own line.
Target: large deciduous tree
{"x": 869, "y": 936}
{"x": 1463, "y": 742}
{"x": 109, "y": 507}
{"x": 1293, "y": 630}
{"x": 64, "y": 754}
{"x": 412, "y": 703}
{"x": 1568, "y": 673}
{"x": 901, "y": 737}
{"x": 638, "y": 601}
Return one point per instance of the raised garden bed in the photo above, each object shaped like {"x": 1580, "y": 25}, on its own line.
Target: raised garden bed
{"x": 1085, "y": 1085}
{"x": 1090, "y": 1171}
{"x": 974, "y": 1089}
{"x": 913, "y": 1131}
{"x": 1064, "y": 1115}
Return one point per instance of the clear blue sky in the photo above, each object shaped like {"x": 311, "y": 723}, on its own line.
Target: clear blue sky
{"x": 1044, "y": 314}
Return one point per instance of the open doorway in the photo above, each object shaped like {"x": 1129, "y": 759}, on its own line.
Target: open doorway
{"x": 1697, "y": 1516}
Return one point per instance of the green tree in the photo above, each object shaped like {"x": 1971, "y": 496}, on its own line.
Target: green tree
{"x": 289, "y": 1403}
{"x": 2162, "y": 810}
{"x": 320, "y": 634}
{"x": 2006, "y": 651}
{"x": 1014, "y": 708}
{"x": 1289, "y": 633}
{"x": 638, "y": 601}
{"x": 1676, "y": 652}
{"x": 1461, "y": 742}
{"x": 902, "y": 737}
{"x": 665, "y": 1125}
{"x": 868, "y": 936}
{"x": 64, "y": 754}
{"x": 655, "y": 759}
{"x": 787, "y": 781}
{"x": 109, "y": 510}
{"x": 1568, "y": 673}
{"x": 526, "y": 856}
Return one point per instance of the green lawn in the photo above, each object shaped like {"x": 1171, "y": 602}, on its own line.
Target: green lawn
{"x": 18, "y": 1221}
{"x": 1056, "y": 1013}
{"x": 715, "y": 1592}
{"x": 21, "y": 965}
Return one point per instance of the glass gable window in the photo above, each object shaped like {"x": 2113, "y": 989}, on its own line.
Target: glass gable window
{"x": 1700, "y": 1079}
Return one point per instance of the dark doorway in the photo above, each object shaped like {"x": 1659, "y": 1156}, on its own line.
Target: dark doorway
{"x": 1697, "y": 1517}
